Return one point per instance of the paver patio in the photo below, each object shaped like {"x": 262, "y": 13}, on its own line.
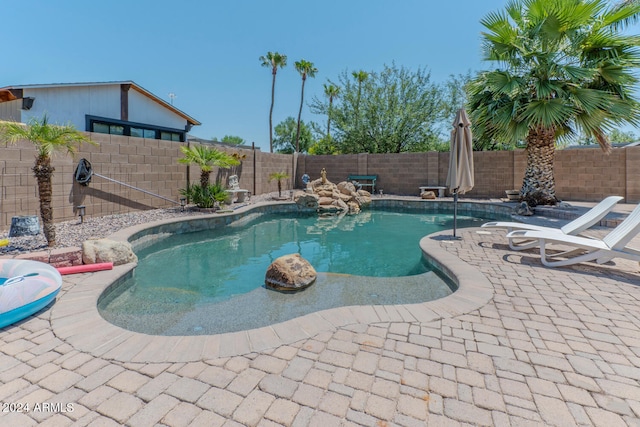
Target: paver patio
{"x": 546, "y": 347}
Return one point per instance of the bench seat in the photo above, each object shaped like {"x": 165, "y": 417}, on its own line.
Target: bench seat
{"x": 440, "y": 189}
{"x": 359, "y": 178}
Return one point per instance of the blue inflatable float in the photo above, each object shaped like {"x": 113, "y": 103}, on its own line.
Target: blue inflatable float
{"x": 26, "y": 287}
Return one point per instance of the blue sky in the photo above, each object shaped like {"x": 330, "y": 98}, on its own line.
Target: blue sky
{"x": 206, "y": 52}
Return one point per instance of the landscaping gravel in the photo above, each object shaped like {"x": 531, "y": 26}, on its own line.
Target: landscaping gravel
{"x": 73, "y": 233}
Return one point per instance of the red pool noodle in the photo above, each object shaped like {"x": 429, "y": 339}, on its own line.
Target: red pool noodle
{"x": 85, "y": 268}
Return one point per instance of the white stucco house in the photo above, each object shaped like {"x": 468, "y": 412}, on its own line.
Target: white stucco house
{"x": 120, "y": 108}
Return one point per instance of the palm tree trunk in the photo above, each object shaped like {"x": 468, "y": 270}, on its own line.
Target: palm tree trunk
{"x": 43, "y": 171}
{"x": 299, "y": 116}
{"x": 539, "y": 185}
{"x": 329, "y": 116}
{"x": 204, "y": 178}
{"x": 279, "y": 188}
{"x": 273, "y": 89}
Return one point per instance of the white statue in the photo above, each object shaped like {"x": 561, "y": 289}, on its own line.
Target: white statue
{"x": 233, "y": 182}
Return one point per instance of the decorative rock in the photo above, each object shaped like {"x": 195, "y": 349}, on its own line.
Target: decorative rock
{"x": 290, "y": 273}
{"x": 325, "y": 201}
{"x": 307, "y": 200}
{"x": 105, "y": 250}
{"x": 346, "y": 188}
{"x": 428, "y": 195}
{"x": 340, "y": 198}
{"x": 25, "y": 225}
{"x": 340, "y": 205}
{"x": 354, "y": 208}
{"x": 523, "y": 209}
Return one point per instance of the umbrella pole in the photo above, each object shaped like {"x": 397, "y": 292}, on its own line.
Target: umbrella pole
{"x": 455, "y": 211}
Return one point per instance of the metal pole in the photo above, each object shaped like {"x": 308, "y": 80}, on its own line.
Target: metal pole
{"x": 135, "y": 188}
{"x": 455, "y": 211}
{"x": 253, "y": 147}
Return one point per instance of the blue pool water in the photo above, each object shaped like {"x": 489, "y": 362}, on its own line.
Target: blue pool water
{"x": 188, "y": 274}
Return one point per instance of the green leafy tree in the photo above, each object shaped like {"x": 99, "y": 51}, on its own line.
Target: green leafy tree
{"x": 206, "y": 158}
{"x": 324, "y": 145}
{"x": 229, "y": 139}
{"x": 273, "y": 60}
{"x": 331, "y": 91}
{"x": 278, "y": 176}
{"x": 286, "y": 133}
{"x": 392, "y": 111}
{"x": 616, "y": 136}
{"x": 564, "y": 67}
{"x": 306, "y": 69}
{"x": 47, "y": 139}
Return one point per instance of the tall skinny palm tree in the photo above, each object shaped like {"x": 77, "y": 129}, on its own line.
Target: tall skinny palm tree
{"x": 305, "y": 68}
{"x": 47, "y": 139}
{"x": 273, "y": 60}
{"x": 332, "y": 92}
{"x": 206, "y": 158}
{"x": 564, "y": 67}
{"x": 360, "y": 76}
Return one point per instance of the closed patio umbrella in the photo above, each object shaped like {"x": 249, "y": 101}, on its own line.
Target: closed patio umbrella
{"x": 460, "y": 176}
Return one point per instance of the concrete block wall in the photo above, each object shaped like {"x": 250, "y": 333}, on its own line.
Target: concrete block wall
{"x": 268, "y": 163}
{"x": 584, "y": 174}
{"x": 581, "y": 174}
{"x": 338, "y": 167}
{"x": 590, "y": 175}
{"x": 148, "y": 164}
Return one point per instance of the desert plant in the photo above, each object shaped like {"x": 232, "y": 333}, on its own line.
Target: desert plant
{"x": 205, "y": 196}
{"x": 47, "y": 139}
{"x": 278, "y": 176}
{"x": 565, "y": 68}
{"x": 206, "y": 158}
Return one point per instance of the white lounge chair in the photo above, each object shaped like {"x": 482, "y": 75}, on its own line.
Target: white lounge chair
{"x": 577, "y": 226}
{"x": 613, "y": 245}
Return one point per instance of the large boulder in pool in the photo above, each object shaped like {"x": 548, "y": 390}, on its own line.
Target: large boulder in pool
{"x": 105, "y": 250}
{"x": 290, "y": 273}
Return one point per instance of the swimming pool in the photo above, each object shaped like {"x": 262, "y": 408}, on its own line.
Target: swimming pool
{"x": 212, "y": 281}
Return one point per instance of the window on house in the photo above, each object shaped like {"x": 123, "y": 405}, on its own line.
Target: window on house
{"x": 100, "y": 128}
{"x": 136, "y": 130}
{"x": 170, "y": 136}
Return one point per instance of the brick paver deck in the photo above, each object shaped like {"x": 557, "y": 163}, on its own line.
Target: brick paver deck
{"x": 537, "y": 346}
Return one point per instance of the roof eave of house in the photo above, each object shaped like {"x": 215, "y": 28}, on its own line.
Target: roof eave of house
{"x": 135, "y": 86}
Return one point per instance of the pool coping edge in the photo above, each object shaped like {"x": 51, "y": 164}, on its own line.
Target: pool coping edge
{"x": 76, "y": 320}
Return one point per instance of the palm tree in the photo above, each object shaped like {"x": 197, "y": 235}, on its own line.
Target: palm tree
{"x": 360, "y": 76}
{"x": 332, "y": 92}
{"x": 47, "y": 139}
{"x": 206, "y": 158}
{"x": 273, "y": 60}
{"x": 565, "y": 68}
{"x": 279, "y": 176}
{"x": 305, "y": 68}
